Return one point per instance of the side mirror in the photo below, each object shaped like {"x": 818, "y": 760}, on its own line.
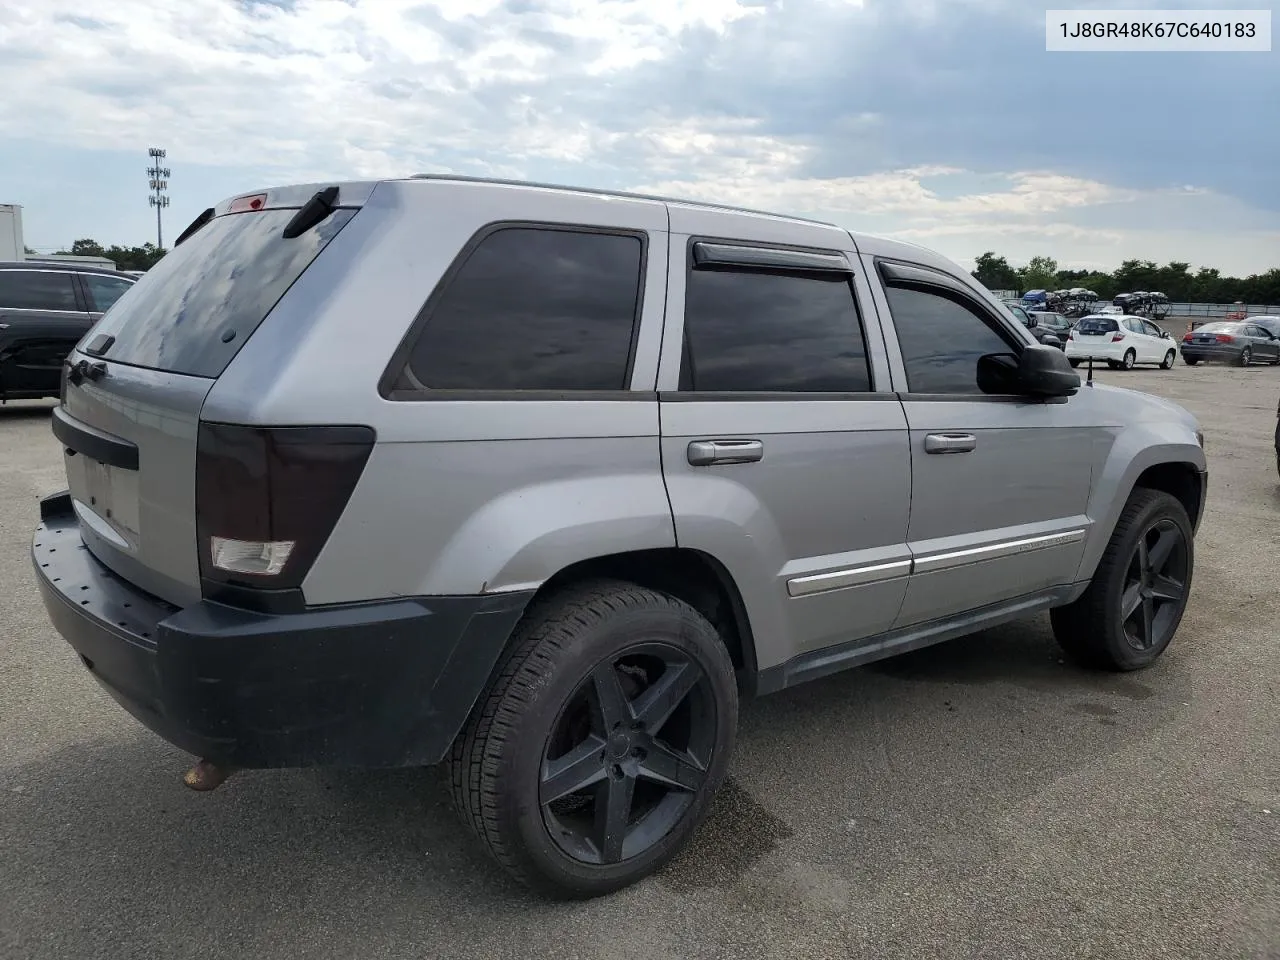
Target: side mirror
{"x": 1038, "y": 371}
{"x": 1032, "y": 322}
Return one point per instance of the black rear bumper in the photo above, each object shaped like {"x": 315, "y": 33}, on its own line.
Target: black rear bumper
{"x": 365, "y": 685}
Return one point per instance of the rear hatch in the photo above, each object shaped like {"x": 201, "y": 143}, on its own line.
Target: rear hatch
{"x": 133, "y": 390}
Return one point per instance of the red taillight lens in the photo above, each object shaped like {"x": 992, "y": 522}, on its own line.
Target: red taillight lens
{"x": 1117, "y": 337}
{"x": 267, "y": 499}
{"x": 1186, "y": 338}
{"x": 1225, "y": 338}
{"x": 247, "y": 204}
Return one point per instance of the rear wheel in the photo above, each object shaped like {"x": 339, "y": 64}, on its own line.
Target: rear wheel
{"x": 1130, "y": 358}
{"x": 1128, "y": 615}
{"x": 1246, "y": 357}
{"x": 602, "y": 741}
{"x": 1167, "y": 363}
{"x": 1190, "y": 362}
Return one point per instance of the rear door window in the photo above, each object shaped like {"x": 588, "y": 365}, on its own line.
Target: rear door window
{"x": 192, "y": 312}
{"x": 103, "y": 290}
{"x": 749, "y": 331}
{"x": 38, "y": 290}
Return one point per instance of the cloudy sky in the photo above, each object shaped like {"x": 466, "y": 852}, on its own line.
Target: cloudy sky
{"x": 939, "y": 121}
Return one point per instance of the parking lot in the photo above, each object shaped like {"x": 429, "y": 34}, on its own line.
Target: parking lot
{"x": 977, "y": 799}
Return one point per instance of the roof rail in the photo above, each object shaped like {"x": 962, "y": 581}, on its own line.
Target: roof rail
{"x": 619, "y": 193}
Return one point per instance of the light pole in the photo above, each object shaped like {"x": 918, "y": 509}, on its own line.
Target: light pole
{"x": 159, "y": 183}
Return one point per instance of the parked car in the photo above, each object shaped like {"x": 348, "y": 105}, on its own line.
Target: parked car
{"x": 1233, "y": 341}
{"x": 45, "y": 309}
{"x": 1121, "y": 341}
{"x": 595, "y": 465}
{"x": 1055, "y": 324}
{"x": 1042, "y": 334}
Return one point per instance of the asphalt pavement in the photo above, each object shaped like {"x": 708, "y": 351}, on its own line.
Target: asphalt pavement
{"x": 979, "y": 799}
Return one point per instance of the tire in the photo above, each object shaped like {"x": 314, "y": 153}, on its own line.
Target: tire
{"x": 1189, "y": 362}
{"x": 1093, "y": 630}
{"x": 546, "y": 698}
{"x": 1167, "y": 363}
{"x": 1246, "y": 357}
{"x": 1130, "y": 358}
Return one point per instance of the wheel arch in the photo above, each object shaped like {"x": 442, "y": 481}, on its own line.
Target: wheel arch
{"x": 694, "y": 576}
{"x": 1161, "y": 462}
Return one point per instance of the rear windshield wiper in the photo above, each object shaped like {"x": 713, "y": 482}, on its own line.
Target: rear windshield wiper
{"x": 313, "y": 211}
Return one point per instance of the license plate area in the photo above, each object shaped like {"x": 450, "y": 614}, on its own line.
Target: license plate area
{"x": 108, "y": 494}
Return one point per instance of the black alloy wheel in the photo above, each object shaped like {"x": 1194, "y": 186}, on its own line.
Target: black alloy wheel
{"x": 627, "y": 755}
{"x": 1155, "y": 589}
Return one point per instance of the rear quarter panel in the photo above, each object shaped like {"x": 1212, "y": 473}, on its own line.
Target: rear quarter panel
{"x": 460, "y": 496}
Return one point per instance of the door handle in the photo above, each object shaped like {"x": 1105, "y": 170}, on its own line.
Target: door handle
{"x": 950, "y": 443}
{"x": 703, "y": 453}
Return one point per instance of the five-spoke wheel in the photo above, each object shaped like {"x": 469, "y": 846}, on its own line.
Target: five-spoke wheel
{"x": 601, "y": 741}
{"x": 1132, "y": 607}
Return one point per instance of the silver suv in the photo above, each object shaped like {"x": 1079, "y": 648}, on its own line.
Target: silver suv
{"x": 537, "y": 482}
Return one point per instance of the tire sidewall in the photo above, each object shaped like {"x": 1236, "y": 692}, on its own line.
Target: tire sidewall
{"x": 520, "y": 768}
{"x": 1130, "y": 359}
{"x": 1123, "y": 653}
{"x": 1169, "y": 358}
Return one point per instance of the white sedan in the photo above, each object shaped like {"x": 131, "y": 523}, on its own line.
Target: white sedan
{"x": 1120, "y": 341}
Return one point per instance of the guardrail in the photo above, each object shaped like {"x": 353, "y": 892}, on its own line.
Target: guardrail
{"x": 1222, "y": 311}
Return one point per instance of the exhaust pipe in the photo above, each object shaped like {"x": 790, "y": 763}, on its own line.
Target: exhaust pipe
{"x": 206, "y": 775}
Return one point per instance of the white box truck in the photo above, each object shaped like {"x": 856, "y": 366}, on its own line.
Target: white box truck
{"x": 11, "y": 247}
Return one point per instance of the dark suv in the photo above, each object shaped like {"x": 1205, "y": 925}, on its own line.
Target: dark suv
{"x": 45, "y": 309}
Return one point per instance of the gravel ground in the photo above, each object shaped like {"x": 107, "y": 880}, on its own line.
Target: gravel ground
{"x": 977, "y": 799}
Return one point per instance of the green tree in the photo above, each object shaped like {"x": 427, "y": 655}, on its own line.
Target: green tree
{"x": 1041, "y": 273}
{"x": 125, "y": 258}
{"x": 994, "y": 272}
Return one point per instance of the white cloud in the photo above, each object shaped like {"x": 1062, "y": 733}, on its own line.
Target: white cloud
{"x": 614, "y": 93}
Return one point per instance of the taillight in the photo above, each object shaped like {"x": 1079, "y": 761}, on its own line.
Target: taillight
{"x": 1187, "y": 338}
{"x": 247, "y": 204}
{"x": 267, "y": 499}
{"x": 1117, "y": 337}
{"x": 1225, "y": 338}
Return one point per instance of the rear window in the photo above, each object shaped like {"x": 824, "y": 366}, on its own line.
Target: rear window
{"x": 1218, "y": 328}
{"x": 192, "y": 312}
{"x": 1096, "y": 325}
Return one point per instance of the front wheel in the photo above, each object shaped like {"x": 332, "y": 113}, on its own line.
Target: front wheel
{"x": 1128, "y": 615}
{"x": 1167, "y": 363}
{"x": 602, "y": 741}
{"x": 1246, "y": 357}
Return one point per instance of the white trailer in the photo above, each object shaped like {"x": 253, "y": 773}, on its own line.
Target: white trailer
{"x": 11, "y": 247}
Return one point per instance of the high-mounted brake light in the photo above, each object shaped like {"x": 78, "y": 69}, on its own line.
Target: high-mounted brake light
{"x": 248, "y": 204}
{"x": 267, "y": 499}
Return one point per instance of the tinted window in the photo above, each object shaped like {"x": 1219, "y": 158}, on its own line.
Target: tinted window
{"x": 193, "y": 310}
{"x": 104, "y": 291}
{"x": 1095, "y": 325}
{"x": 941, "y": 341}
{"x": 1151, "y": 330}
{"x": 37, "y": 290}
{"x": 534, "y": 309}
{"x": 750, "y": 331}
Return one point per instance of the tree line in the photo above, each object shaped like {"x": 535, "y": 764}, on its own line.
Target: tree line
{"x": 125, "y": 258}
{"x": 1175, "y": 280}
